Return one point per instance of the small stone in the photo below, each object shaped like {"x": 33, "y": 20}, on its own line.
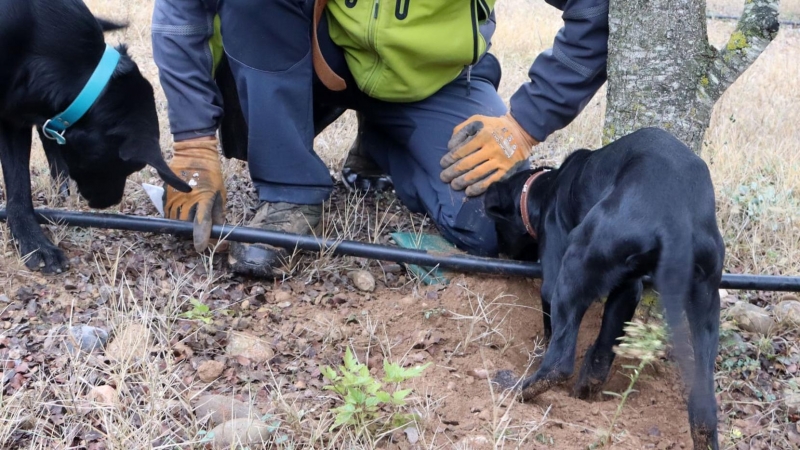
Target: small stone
{"x": 238, "y": 433}
{"x": 284, "y": 305}
{"x": 255, "y": 349}
{"x": 219, "y": 408}
{"x": 788, "y": 311}
{"x": 751, "y": 318}
{"x": 392, "y": 268}
{"x": 104, "y": 395}
{"x": 469, "y": 380}
{"x": 300, "y": 385}
{"x": 130, "y": 342}
{"x": 480, "y": 374}
{"x": 246, "y": 304}
{"x": 595, "y": 410}
{"x": 412, "y": 435}
{"x": 654, "y": 431}
{"x": 451, "y": 386}
{"x": 4, "y": 298}
{"x": 282, "y": 296}
{"x": 362, "y": 280}
{"x": 210, "y": 370}
{"x": 86, "y": 338}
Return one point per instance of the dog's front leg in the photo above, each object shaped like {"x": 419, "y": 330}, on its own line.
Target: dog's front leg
{"x": 619, "y": 308}
{"x": 35, "y": 248}
{"x": 576, "y": 286}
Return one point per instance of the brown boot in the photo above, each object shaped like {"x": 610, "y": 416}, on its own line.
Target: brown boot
{"x": 263, "y": 260}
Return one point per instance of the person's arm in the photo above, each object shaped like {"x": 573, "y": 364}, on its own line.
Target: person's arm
{"x": 564, "y": 77}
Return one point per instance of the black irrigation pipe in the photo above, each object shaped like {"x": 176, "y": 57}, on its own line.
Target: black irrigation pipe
{"x": 458, "y": 263}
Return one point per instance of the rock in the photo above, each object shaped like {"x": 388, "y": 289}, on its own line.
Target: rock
{"x": 282, "y": 296}
{"x": 130, "y": 342}
{"x": 480, "y": 374}
{"x": 105, "y": 395}
{"x": 86, "y": 338}
{"x": 751, "y": 318}
{"x": 239, "y": 433}
{"x": 255, "y": 349}
{"x": 412, "y": 435}
{"x": 220, "y": 408}
{"x": 210, "y": 370}
{"x": 284, "y": 305}
{"x": 362, "y": 280}
{"x": 788, "y": 311}
{"x": 4, "y": 298}
{"x": 392, "y": 268}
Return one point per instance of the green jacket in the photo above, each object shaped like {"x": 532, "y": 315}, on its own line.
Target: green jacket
{"x": 406, "y": 50}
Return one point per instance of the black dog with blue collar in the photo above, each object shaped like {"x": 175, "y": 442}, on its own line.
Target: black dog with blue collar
{"x": 92, "y": 106}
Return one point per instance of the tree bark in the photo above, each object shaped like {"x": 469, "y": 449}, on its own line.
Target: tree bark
{"x": 663, "y": 72}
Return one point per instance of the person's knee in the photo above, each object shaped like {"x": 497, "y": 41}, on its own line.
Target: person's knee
{"x": 269, "y": 36}
{"x": 469, "y": 228}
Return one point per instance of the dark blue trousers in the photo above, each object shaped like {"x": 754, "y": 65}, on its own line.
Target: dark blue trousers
{"x": 268, "y": 46}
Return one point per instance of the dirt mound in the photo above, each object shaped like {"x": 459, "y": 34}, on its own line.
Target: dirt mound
{"x": 483, "y": 324}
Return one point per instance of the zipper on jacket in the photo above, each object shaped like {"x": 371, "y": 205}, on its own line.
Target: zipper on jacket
{"x": 372, "y": 28}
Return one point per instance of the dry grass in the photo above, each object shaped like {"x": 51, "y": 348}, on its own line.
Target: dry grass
{"x": 752, "y": 141}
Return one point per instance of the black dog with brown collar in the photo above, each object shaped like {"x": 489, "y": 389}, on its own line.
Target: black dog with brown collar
{"x": 642, "y": 205}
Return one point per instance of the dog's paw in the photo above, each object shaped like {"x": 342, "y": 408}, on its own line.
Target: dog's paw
{"x": 45, "y": 257}
{"x": 587, "y": 389}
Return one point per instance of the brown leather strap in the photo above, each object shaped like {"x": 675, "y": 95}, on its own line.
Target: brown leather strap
{"x": 324, "y": 72}
{"x": 523, "y": 203}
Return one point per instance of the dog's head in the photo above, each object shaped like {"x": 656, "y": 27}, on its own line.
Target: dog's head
{"x": 118, "y": 136}
{"x": 502, "y": 204}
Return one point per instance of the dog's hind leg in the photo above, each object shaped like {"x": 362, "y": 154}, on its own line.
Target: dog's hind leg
{"x": 619, "y": 308}
{"x": 15, "y": 153}
{"x": 703, "y": 316}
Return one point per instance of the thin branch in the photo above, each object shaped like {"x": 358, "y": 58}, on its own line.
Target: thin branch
{"x": 757, "y": 27}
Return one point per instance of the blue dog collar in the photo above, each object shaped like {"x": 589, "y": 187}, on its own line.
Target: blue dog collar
{"x": 54, "y": 128}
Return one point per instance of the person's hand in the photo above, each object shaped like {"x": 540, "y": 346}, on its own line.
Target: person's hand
{"x": 481, "y": 150}
{"x": 197, "y": 163}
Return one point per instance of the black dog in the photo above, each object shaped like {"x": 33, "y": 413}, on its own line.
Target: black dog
{"x": 48, "y": 51}
{"x": 641, "y": 205}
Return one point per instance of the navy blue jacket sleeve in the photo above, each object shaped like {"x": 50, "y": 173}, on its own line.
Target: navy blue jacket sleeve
{"x": 564, "y": 77}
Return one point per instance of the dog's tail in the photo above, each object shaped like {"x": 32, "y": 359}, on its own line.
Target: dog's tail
{"x": 673, "y": 281}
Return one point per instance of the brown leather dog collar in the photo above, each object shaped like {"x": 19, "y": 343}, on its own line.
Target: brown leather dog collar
{"x": 523, "y": 203}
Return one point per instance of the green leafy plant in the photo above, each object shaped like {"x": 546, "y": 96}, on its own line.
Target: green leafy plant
{"x": 366, "y": 400}
{"x": 199, "y": 311}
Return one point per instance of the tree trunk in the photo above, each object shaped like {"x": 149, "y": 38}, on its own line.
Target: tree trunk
{"x": 663, "y": 72}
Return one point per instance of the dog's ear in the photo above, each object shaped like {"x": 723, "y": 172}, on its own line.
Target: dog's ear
{"x": 150, "y": 154}
{"x": 108, "y": 25}
{"x": 495, "y": 201}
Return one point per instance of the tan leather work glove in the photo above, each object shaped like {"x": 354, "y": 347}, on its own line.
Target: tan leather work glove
{"x": 482, "y": 150}
{"x": 197, "y": 163}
